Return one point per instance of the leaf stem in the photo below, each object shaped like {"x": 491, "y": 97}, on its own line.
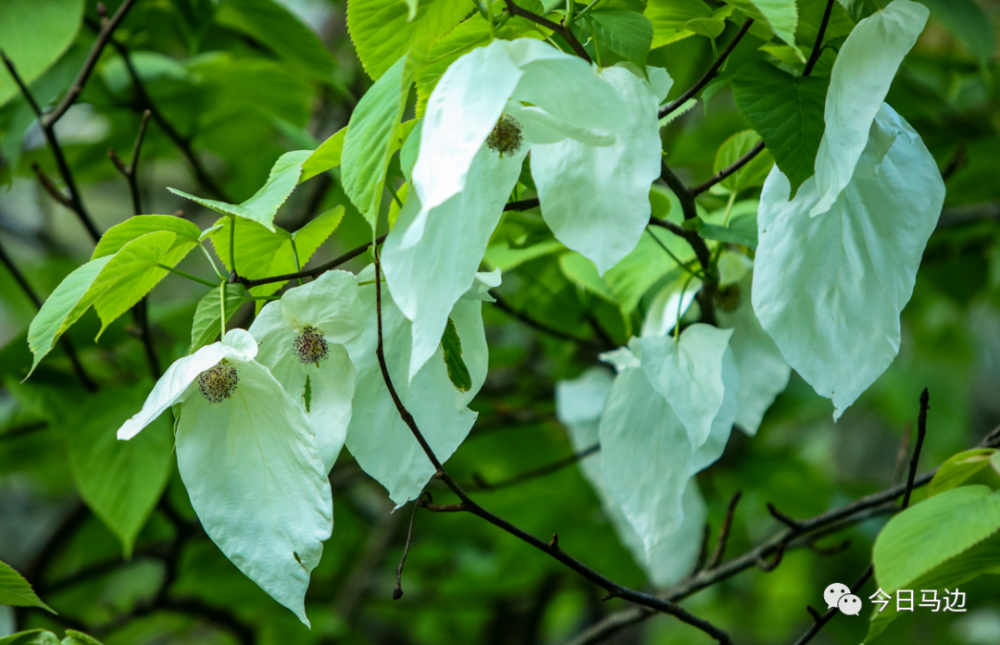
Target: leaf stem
{"x": 208, "y": 256}
{"x": 222, "y": 310}
{"x": 187, "y": 275}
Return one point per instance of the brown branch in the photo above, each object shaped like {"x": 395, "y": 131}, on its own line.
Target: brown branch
{"x": 523, "y": 205}
{"x": 140, "y": 312}
{"x": 504, "y": 306}
{"x": 552, "y": 549}
{"x": 48, "y": 130}
{"x": 64, "y": 341}
{"x": 756, "y": 150}
{"x": 397, "y": 593}
{"x": 560, "y": 29}
{"x": 727, "y": 527}
{"x": 107, "y": 29}
{"x": 312, "y": 273}
{"x": 556, "y": 466}
{"x": 710, "y": 74}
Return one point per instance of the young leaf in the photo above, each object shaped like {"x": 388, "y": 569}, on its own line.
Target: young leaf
{"x": 959, "y": 468}
{"x": 780, "y": 16}
{"x": 325, "y": 157}
{"x": 74, "y": 637}
{"x": 382, "y": 30}
{"x": 207, "y": 324}
{"x": 134, "y": 227}
{"x": 833, "y": 309}
{"x": 133, "y": 272}
{"x": 787, "y": 112}
{"x": 753, "y": 173}
{"x": 373, "y": 135}
{"x": 68, "y": 302}
{"x": 264, "y": 205}
{"x": 451, "y": 346}
{"x": 626, "y": 33}
{"x": 16, "y": 591}
{"x": 31, "y": 637}
{"x": 121, "y": 482}
{"x": 275, "y": 27}
{"x": 670, "y": 17}
{"x": 20, "y": 23}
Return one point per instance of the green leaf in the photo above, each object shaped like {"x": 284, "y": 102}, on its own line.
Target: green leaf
{"x": 741, "y": 230}
{"x": 969, "y": 23}
{"x": 31, "y": 637}
{"x": 959, "y": 468}
{"x": 325, "y": 157}
{"x": 120, "y": 481}
{"x": 264, "y": 205}
{"x": 787, "y": 112}
{"x": 261, "y": 253}
{"x": 626, "y": 33}
{"x": 373, "y": 136}
{"x": 583, "y": 273}
{"x": 133, "y": 271}
{"x": 74, "y": 637}
{"x": 134, "y": 227}
{"x": 753, "y": 173}
{"x": 275, "y": 27}
{"x": 670, "y": 17}
{"x": 16, "y": 591}
{"x": 708, "y": 27}
{"x": 383, "y": 32}
{"x": 780, "y": 16}
{"x": 68, "y": 302}
{"x": 933, "y": 531}
{"x": 451, "y": 346}
{"x": 21, "y": 22}
{"x": 980, "y": 559}
{"x": 206, "y": 326}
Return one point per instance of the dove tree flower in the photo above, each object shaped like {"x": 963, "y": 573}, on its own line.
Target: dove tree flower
{"x": 594, "y": 144}
{"x": 248, "y": 457}
{"x": 301, "y": 338}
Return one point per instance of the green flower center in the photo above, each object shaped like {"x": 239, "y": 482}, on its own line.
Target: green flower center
{"x": 218, "y": 383}
{"x": 506, "y": 136}
{"x": 311, "y": 347}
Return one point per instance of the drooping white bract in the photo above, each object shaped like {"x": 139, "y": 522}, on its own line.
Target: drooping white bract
{"x": 579, "y": 404}
{"x": 830, "y": 289}
{"x": 249, "y": 460}
{"x": 377, "y": 437}
{"x": 593, "y": 135}
{"x": 864, "y": 69}
{"x": 302, "y": 337}
{"x": 647, "y": 456}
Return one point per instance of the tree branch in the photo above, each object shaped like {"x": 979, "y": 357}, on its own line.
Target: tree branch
{"x": 504, "y": 306}
{"x": 556, "y": 466}
{"x": 550, "y": 548}
{"x": 560, "y": 29}
{"x": 710, "y": 74}
{"x": 312, "y": 273}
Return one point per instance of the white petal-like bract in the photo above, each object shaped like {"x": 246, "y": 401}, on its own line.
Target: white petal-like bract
{"x": 829, "y": 290}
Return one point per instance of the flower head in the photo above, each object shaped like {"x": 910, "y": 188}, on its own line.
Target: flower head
{"x": 595, "y": 151}
{"x": 302, "y": 338}
{"x": 249, "y": 459}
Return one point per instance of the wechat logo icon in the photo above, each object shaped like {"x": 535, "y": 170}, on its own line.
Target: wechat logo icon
{"x": 839, "y": 596}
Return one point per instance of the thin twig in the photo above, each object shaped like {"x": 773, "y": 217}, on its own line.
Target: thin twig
{"x": 727, "y": 527}
{"x": 468, "y": 505}
{"x": 757, "y": 149}
{"x": 397, "y": 593}
{"x": 504, "y": 306}
{"x": 921, "y": 433}
{"x": 562, "y": 30}
{"x": 312, "y": 273}
{"x": 482, "y": 484}
{"x": 784, "y": 519}
{"x": 710, "y": 74}
{"x": 64, "y": 341}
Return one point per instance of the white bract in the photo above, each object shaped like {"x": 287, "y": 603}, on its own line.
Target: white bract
{"x": 593, "y": 137}
{"x": 377, "y": 436}
{"x": 248, "y": 457}
{"x": 829, "y": 290}
{"x": 647, "y": 455}
{"x": 302, "y": 337}
{"x": 579, "y": 404}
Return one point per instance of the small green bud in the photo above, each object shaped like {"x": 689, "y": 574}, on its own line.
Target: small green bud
{"x": 311, "y": 347}
{"x": 506, "y": 136}
{"x": 218, "y": 383}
